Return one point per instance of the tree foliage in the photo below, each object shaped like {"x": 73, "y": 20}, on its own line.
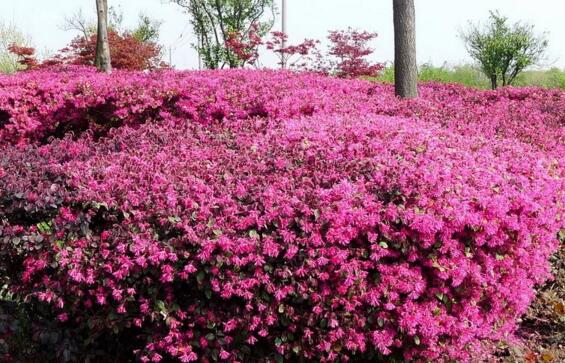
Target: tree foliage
{"x": 77, "y": 22}
{"x": 10, "y": 36}
{"x": 128, "y": 52}
{"x": 245, "y": 47}
{"x": 504, "y": 50}
{"x": 25, "y": 56}
{"x": 351, "y": 48}
{"x": 346, "y": 56}
{"x": 216, "y": 21}
{"x": 292, "y": 56}
{"x": 132, "y": 49}
{"x": 146, "y": 30}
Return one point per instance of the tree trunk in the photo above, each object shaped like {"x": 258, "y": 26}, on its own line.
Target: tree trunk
{"x": 405, "y": 67}
{"x": 102, "y": 61}
{"x": 283, "y": 44}
{"x": 493, "y": 82}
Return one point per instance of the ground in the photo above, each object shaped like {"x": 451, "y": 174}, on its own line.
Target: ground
{"x": 543, "y": 327}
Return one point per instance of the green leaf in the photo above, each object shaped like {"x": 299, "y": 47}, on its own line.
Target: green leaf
{"x": 174, "y": 219}
{"x": 200, "y": 276}
{"x": 253, "y": 234}
{"x": 160, "y": 305}
{"x": 416, "y": 340}
{"x": 383, "y": 245}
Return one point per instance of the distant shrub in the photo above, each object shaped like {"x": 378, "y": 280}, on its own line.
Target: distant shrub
{"x": 552, "y": 78}
{"x": 465, "y": 74}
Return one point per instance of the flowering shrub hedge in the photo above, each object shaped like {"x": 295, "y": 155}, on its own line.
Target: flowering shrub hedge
{"x": 263, "y": 216}
{"x": 37, "y": 105}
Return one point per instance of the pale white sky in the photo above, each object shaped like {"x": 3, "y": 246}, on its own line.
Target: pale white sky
{"x": 438, "y": 22}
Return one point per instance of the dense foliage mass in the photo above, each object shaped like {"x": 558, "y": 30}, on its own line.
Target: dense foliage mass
{"x": 264, "y": 216}
{"x": 129, "y": 52}
{"x": 502, "y": 50}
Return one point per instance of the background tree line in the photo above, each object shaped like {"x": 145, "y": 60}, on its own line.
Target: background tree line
{"x": 229, "y": 33}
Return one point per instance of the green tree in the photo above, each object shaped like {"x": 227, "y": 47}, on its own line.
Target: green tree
{"x": 214, "y": 20}
{"x": 147, "y": 29}
{"x": 503, "y": 50}
{"x": 10, "y": 35}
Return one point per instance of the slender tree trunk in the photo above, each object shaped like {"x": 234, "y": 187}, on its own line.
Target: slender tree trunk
{"x": 493, "y": 82}
{"x": 103, "y": 61}
{"x": 283, "y": 44}
{"x": 405, "y": 67}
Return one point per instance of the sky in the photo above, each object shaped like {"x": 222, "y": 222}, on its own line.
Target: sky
{"x": 438, "y": 23}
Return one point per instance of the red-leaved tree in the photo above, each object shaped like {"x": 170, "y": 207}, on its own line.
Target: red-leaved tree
{"x": 128, "y": 53}
{"x": 295, "y": 56}
{"x": 351, "y": 48}
{"x": 26, "y": 55}
{"x": 245, "y": 47}
{"x": 345, "y": 58}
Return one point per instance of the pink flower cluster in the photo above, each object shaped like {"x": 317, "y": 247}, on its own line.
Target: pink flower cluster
{"x": 265, "y": 216}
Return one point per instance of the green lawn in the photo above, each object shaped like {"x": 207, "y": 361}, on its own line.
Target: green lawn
{"x": 470, "y": 76}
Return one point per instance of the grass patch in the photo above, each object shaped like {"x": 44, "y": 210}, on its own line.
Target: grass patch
{"x": 470, "y": 76}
